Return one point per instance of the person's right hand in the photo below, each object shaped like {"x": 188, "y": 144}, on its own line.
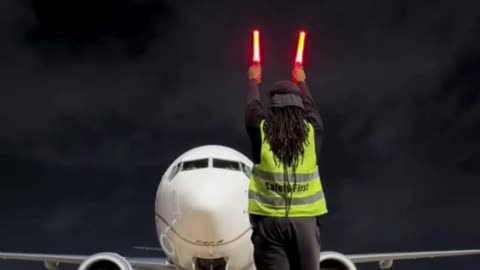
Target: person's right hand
{"x": 255, "y": 72}
{"x": 298, "y": 74}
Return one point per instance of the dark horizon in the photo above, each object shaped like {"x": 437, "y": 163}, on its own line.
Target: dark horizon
{"x": 99, "y": 97}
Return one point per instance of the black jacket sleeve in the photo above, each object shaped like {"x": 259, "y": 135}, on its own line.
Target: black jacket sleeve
{"x": 312, "y": 115}
{"x": 311, "y": 112}
{"x": 253, "y": 116}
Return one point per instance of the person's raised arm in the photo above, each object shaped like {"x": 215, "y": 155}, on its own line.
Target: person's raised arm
{"x": 254, "y": 113}
{"x": 254, "y": 110}
{"x": 311, "y": 112}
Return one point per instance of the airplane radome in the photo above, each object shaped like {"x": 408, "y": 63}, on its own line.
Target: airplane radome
{"x": 201, "y": 209}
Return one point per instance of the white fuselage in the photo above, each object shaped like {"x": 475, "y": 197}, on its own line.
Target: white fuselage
{"x": 202, "y": 208}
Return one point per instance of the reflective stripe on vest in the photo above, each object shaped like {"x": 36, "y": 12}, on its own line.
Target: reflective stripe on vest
{"x": 278, "y": 177}
{"x": 269, "y": 192}
{"x": 280, "y": 202}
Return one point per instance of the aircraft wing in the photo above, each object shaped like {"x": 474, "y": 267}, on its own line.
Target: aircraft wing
{"x": 386, "y": 259}
{"x": 52, "y": 261}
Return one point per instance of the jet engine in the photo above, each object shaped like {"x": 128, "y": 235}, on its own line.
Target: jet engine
{"x": 330, "y": 260}
{"x": 105, "y": 261}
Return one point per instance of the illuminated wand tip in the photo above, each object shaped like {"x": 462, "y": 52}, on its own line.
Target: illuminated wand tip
{"x": 301, "y": 44}
{"x": 256, "y": 46}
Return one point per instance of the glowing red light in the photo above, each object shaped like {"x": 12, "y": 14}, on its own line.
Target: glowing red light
{"x": 301, "y": 43}
{"x": 256, "y": 46}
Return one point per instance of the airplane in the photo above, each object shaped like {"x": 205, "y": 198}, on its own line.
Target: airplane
{"x": 201, "y": 215}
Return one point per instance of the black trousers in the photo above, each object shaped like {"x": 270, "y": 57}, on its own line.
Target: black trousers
{"x": 286, "y": 243}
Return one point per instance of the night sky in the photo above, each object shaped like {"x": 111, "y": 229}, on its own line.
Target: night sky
{"x": 99, "y": 96}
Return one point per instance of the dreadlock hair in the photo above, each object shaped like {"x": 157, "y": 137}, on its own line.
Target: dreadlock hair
{"x": 287, "y": 132}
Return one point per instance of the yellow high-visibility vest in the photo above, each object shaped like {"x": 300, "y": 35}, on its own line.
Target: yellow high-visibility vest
{"x": 267, "y": 196}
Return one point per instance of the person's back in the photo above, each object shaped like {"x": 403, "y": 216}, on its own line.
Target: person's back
{"x": 286, "y": 196}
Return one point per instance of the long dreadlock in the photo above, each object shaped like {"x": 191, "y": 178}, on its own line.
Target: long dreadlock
{"x": 287, "y": 132}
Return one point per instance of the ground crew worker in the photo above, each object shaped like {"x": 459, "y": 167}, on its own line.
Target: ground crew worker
{"x": 285, "y": 196}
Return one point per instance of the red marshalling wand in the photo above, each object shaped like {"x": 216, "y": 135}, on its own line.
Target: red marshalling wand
{"x": 256, "y": 47}
{"x": 301, "y": 43}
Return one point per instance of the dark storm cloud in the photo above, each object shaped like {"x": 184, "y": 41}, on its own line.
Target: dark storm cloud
{"x": 72, "y": 63}
{"x": 86, "y": 78}
{"x": 75, "y": 25}
{"x": 95, "y": 104}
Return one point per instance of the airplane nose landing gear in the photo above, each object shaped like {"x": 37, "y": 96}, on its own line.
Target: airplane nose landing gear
{"x": 210, "y": 264}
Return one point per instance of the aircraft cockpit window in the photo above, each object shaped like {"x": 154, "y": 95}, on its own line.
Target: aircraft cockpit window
{"x": 247, "y": 170}
{"x": 226, "y": 164}
{"x": 195, "y": 164}
{"x": 174, "y": 171}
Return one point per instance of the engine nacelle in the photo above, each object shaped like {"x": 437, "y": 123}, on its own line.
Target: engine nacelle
{"x": 108, "y": 261}
{"x": 330, "y": 260}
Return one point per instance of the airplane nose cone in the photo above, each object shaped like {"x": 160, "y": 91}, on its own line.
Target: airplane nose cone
{"x": 212, "y": 212}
